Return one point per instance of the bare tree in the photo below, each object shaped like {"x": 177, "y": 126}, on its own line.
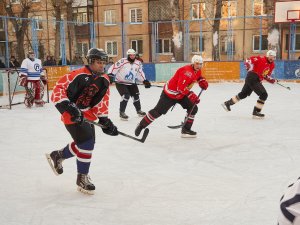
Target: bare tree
{"x": 71, "y": 27}
{"x": 20, "y": 24}
{"x": 57, "y": 6}
{"x": 177, "y": 31}
{"x": 216, "y": 31}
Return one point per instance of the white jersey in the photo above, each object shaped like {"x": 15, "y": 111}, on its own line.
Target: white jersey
{"x": 32, "y": 69}
{"x": 126, "y": 72}
{"x": 290, "y": 205}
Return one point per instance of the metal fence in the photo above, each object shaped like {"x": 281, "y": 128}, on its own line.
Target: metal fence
{"x": 67, "y": 42}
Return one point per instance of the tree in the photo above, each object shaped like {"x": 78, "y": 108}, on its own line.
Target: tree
{"x": 21, "y": 24}
{"x": 71, "y": 27}
{"x": 216, "y": 31}
{"x": 57, "y": 5}
{"x": 177, "y": 31}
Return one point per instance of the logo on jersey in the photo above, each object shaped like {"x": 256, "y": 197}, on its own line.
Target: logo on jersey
{"x": 37, "y": 67}
{"x": 129, "y": 76}
{"x": 188, "y": 74}
{"x": 266, "y": 72}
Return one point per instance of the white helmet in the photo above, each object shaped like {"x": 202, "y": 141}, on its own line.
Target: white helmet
{"x": 197, "y": 59}
{"x": 131, "y": 51}
{"x": 271, "y": 53}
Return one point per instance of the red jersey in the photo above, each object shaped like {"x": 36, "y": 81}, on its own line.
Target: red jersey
{"x": 261, "y": 66}
{"x": 182, "y": 81}
{"x": 88, "y": 91}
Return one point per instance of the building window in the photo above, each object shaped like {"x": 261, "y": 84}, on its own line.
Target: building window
{"x": 257, "y": 43}
{"x": 110, "y": 17}
{"x": 196, "y": 44}
{"x": 164, "y": 46}
{"x": 82, "y": 48}
{"x": 38, "y": 23}
{"x": 137, "y": 45}
{"x": 296, "y": 43}
{"x": 198, "y": 11}
{"x": 35, "y": 0}
{"x": 135, "y": 15}
{"x": 111, "y": 48}
{"x": 229, "y": 9}
{"x": 15, "y": 1}
{"x": 258, "y": 8}
{"x": 228, "y": 45}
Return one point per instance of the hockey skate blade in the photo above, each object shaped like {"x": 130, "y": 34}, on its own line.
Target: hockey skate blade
{"x": 80, "y": 189}
{"x": 188, "y": 136}
{"x": 123, "y": 119}
{"x": 224, "y": 107}
{"x": 257, "y": 117}
{"x": 50, "y": 163}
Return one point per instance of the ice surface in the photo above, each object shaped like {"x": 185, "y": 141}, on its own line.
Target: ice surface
{"x": 234, "y": 173}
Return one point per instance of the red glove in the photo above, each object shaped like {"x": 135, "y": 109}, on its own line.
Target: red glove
{"x": 193, "y": 98}
{"x": 270, "y": 79}
{"x": 23, "y": 80}
{"x": 203, "y": 83}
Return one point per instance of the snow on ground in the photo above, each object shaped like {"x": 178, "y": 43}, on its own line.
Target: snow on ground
{"x": 234, "y": 173}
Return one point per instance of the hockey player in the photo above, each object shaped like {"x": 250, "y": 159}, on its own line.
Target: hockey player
{"x": 82, "y": 93}
{"x": 177, "y": 90}
{"x": 126, "y": 72}
{"x": 290, "y": 205}
{"x": 259, "y": 68}
{"x": 31, "y": 75}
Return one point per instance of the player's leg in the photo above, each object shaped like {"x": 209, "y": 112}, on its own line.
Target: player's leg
{"x": 38, "y": 94}
{"x": 260, "y": 90}
{"x": 135, "y": 94}
{"x": 162, "y": 107}
{"x": 29, "y": 94}
{"x": 191, "y": 111}
{"x": 125, "y": 95}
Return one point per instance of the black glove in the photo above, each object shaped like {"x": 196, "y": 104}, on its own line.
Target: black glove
{"x": 74, "y": 111}
{"x": 147, "y": 83}
{"x": 108, "y": 127}
{"x": 111, "y": 78}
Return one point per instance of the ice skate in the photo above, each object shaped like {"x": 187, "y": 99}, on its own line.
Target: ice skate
{"x": 123, "y": 116}
{"x": 188, "y": 133}
{"x": 141, "y": 113}
{"x": 256, "y": 113}
{"x": 226, "y": 106}
{"x": 138, "y": 129}
{"x": 84, "y": 184}
{"x": 55, "y": 161}
{"x": 39, "y": 103}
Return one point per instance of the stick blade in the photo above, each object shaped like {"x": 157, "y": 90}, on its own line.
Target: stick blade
{"x": 176, "y": 126}
{"x": 145, "y": 135}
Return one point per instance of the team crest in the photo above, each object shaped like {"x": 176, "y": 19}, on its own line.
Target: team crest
{"x": 36, "y": 67}
{"x": 188, "y": 74}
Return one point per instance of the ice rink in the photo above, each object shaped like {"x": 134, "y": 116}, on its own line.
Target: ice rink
{"x": 234, "y": 173}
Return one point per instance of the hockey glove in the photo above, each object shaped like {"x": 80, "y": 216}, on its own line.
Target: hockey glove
{"x": 193, "y": 98}
{"x": 23, "y": 81}
{"x": 270, "y": 79}
{"x": 75, "y": 112}
{"x": 111, "y": 78}
{"x": 203, "y": 83}
{"x": 44, "y": 80}
{"x": 108, "y": 127}
{"x": 147, "y": 83}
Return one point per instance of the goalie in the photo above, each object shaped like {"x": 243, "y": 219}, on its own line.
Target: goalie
{"x": 31, "y": 75}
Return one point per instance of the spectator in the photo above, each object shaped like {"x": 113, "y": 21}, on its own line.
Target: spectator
{"x": 77, "y": 60}
{"x": 60, "y": 62}
{"x": 13, "y": 63}
{"x": 109, "y": 64}
{"x": 2, "y": 65}
{"x": 49, "y": 61}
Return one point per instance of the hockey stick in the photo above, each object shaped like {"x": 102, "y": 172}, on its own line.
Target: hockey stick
{"x": 142, "y": 140}
{"x": 186, "y": 119}
{"x": 153, "y": 85}
{"x": 283, "y": 85}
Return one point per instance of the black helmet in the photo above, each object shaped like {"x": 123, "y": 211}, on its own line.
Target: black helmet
{"x": 96, "y": 53}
